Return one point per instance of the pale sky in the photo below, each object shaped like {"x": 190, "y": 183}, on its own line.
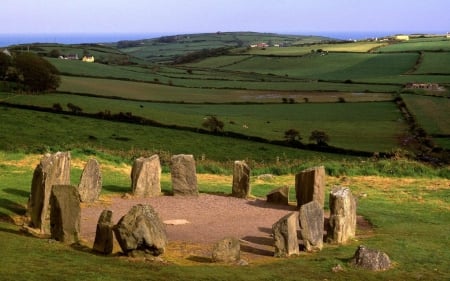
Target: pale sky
{"x": 194, "y": 16}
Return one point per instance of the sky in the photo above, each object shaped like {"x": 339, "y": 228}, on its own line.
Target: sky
{"x": 196, "y": 16}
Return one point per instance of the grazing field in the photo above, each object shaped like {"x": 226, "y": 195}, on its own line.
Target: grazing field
{"x": 416, "y": 45}
{"x": 433, "y": 64}
{"x": 432, "y": 115}
{"x": 378, "y": 123}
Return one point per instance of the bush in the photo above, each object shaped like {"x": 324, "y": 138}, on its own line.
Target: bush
{"x": 36, "y": 74}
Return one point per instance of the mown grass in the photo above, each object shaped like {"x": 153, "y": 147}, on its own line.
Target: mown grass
{"x": 433, "y": 63}
{"x": 408, "y": 216}
{"x": 436, "y": 44}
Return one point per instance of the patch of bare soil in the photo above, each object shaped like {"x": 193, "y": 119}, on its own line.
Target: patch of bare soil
{"x": 209, "y": 219}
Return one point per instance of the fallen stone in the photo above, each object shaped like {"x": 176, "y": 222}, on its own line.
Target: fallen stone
{"x": 310, "y": 186}
{"x": 311, "y": 226}
{"x": 183, "y": 175}
{"x": 227, "y": 250}
{"x": 342, "y": 223}
{"x": 241, "y": 180}
{"x": 65, "y": 214}
{"x": 146, "y": 177}
{"x": 285, "y": 236}
{"x": 104, "y": 234}
{"x": 141, "y": 230}
{"x": 90, "y": 185}
{"x": 279, "y": 196}
{"x": 371, "y": 259}
{"x": 53, "y": 169}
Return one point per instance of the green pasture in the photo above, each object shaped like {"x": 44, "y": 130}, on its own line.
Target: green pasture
{"x": 432, "y": 115}
{"x": 333, "y": 66}
{"x": 377, "y": 124}
{"x": 416, "y": 45}
{"x": 434, "y": 63}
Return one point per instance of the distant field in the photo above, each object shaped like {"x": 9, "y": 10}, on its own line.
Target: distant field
{"x": 435, "y": 63}
{"x": 376, "y": 124}
{"x": 334, "y": 66}
{"x": 432, "y": 114}
{"x": 418, "y": 45}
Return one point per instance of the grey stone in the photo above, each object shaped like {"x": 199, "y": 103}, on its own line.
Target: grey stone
{"x": 241, "y": 180}
{"x": 311, "y": 226}
{"x": 142, "y": 230}
{"x": 65, "y": 214}
{"x": 53, "y": 169}
{"x": 183, "y": 175}
{"x": 103, "y": 242}
{"x": 285, "y": 236}
{"x": 371, "y": 259}
{"x": 146, "y": 177}
{"x": 310, "y": 186}
{"x": 279, "y": 196}
{"x": 90, "y": 185}
{"x": 227, "y": 250}
{"x": 342, "y": 223}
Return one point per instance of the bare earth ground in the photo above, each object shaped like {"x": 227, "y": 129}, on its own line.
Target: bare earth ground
{"x": 210, "y": 217}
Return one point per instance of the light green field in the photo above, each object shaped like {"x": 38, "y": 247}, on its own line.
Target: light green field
{"x": 434, "y": 63}
{"x": 436, "y": 44}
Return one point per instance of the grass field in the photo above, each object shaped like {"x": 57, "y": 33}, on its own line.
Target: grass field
{"x": 431, "y": 44}
{"x": 433, "y": 64}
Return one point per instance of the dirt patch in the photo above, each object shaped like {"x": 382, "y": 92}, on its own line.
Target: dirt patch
{"x": 210, "y": 218}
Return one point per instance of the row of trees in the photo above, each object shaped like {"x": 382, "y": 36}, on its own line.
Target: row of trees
{"x": 321, "y": 138}
{"x": 29, "y": 72}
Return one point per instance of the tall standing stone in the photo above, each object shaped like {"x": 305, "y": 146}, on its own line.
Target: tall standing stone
{"x": 311, "y": 226}
{"x": 241, "y": 180}
{"x": 146, "y": 177}
{"x": 285, "y": 236}
{"x": 65, "y": 214}
{"x": 103, "y": 242}
{"x": 184, "y": 175}
{"x": 141, "y": 230}
{"x": 310, "y": 186}
{"x": 53, "y": 169}
{"x": 90, "y": 185}
{"x": 342, "y": 224}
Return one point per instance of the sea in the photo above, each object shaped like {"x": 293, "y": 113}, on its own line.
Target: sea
{"x": 80, "y": 38}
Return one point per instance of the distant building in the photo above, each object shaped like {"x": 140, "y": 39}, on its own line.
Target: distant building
{"x": 402, "y": 37}
{"x": 88, "y": 59}
{"x": 424, "y": 86}
{"x": 71, "y": 57}
{"x": 448, "y": 35}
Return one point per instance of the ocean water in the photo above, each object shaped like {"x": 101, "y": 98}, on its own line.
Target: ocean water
{"x": 73, "y": 38}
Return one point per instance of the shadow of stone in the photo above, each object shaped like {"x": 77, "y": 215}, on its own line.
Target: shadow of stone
{"x": 13, "y": 206}
{"x": 266, "y": 241}
{"x": 200, "y": 259}
{"x": 17, "y": 192}
{"x": 117, "y": 188}
{"x": 256, "y": 251}
{"x": 265, "y": 230}
{"x": 264, "y": 204}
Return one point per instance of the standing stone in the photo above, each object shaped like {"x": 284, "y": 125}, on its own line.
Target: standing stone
{"x": 285, "y": 236}
{"x": 53, "y": 169}
{"x": 279, "y": 196}
{"x": 146, "y": 177}
{"x": 371, "y": 259}
{"x": 311, "y": 226}
{"x": 310, "y": 186}
{"x": 342, "y": 224}
{"x": 90, "y": 182}
{"x": 226, "y": 250}
{"x": 241, "y": 180}
{"x": 65, "y": 214}
{"x": 183, "y": 174}
{"x": 104, "y": 235}
{"x": 141, "y": 230}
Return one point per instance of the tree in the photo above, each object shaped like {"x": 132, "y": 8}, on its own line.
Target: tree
{"x": 213, "y": 124}
{"x": 5, "y": 63}
{"x": 55, "y": 53}
{"x": 292, "y": 135}
{"x": 35, "y": 73}
{"x": 320, "y": 137}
